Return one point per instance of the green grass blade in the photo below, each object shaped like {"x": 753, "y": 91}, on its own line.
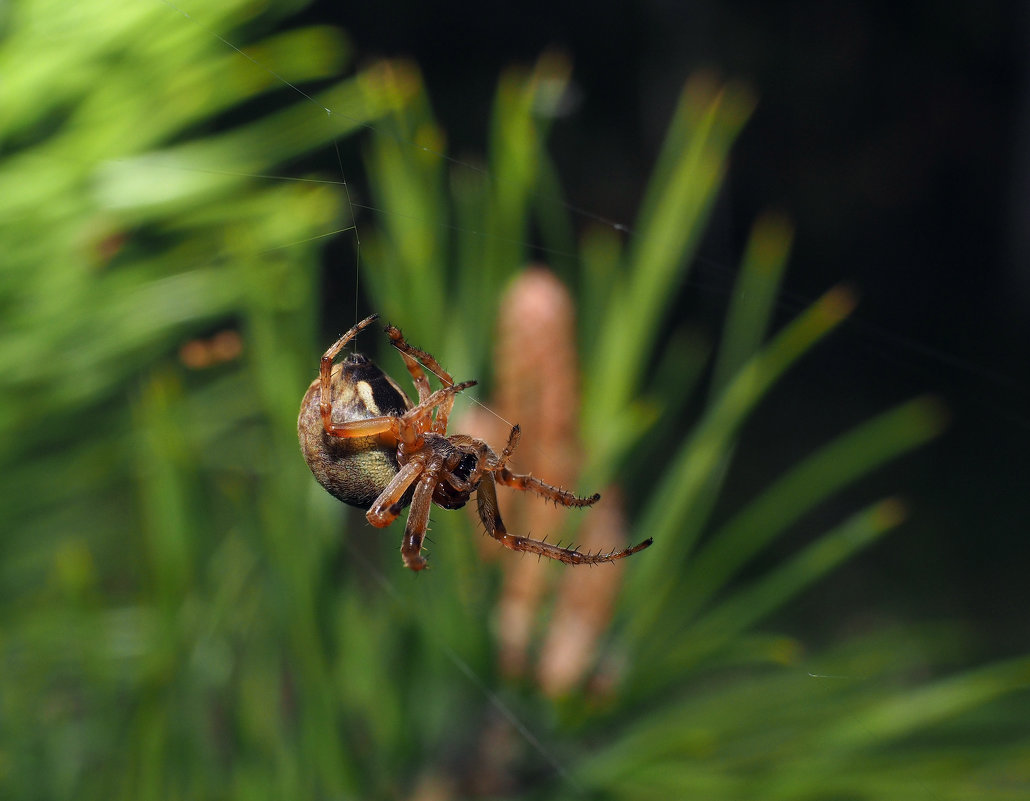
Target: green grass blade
{"x": 520, "y": 124}
{"x": 762, "y": 597}
{"x": 833, "y": 467}
{"x": 688, "y": 176}
{"x": 410, "y": 193}
{"x": 754, "y": 297}
{"x": 684, "y": 496}
{"x": 916, "y": 709}
{"x": 696, "y": 642}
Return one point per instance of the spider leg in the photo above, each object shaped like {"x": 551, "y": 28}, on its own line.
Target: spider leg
{"x": 364, "y": 428}
{"x": 489, "y": 462}
{"x": 524, "y": 481}
{"x": 418, "y": 521}
{"x": 385, "y": 509}
{"x": 418, "y": 376}
{"x": 404, "y": 429}
{"x": 325, "y": 368}
{"x": 338, "y": 345}
{"x": 412, "y": 356}
{"x": 398, "y": 341}
{"x": 437, "y": 398}
{"x": 414, "y": 423}
{"x": 509, "y": 448}
{"x": 486, "y": 501}
{"x": 443, "y": 413}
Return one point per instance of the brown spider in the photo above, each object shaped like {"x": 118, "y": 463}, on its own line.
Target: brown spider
{"x": 382, "y": 452}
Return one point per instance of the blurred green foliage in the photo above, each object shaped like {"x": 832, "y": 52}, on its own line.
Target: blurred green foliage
{"x": 185, "y": 614}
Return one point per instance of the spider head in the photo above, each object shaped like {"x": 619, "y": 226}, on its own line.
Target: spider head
{"x": 466, "y": 466}
{"x": 450, "y": 497}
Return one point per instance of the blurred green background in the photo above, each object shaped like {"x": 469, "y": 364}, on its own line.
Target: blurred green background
{"x": 186, "y": 614}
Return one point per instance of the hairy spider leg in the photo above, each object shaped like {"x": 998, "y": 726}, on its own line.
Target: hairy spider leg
{"x": 527, "y": 482}
{"x": 416, "y": 421}
{"x": 510, "y": 446}
{"x": 398, "y": 341}
{"x": 489, "y": 462}
{"x": 325, "y": 369}
{"x": 388, "y": 506}
{"x": 418, "y": 376}
{"x": 411, "y": 353}
{"x": 405, "y": 430}
{"x": 443, "y": 398}
{"x": 418, "y": 519}
{"x": 486, "y": 501}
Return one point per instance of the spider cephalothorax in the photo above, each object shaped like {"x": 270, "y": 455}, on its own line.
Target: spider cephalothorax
{"x": 371, "y": 447}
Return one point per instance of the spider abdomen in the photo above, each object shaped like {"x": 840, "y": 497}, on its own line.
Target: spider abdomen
{"x": 355, "y": 470}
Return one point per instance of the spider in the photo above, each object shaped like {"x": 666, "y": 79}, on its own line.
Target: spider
{"x": 371, "y": 447}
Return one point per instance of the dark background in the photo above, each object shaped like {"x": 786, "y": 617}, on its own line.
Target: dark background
{"x": 894, "y": 136}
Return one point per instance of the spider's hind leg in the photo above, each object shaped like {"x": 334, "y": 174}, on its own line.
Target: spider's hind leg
{"x": 412, "y": 358}
{"x": 325, "y": 369}
{"x": 486, "y": 501}
{"x": 398, "y": 341}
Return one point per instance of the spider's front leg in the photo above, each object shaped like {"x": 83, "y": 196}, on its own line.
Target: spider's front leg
{"x": 486, "y": 501}
{"x": 524, "y": 481}
{"x": 498, "y": 465}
